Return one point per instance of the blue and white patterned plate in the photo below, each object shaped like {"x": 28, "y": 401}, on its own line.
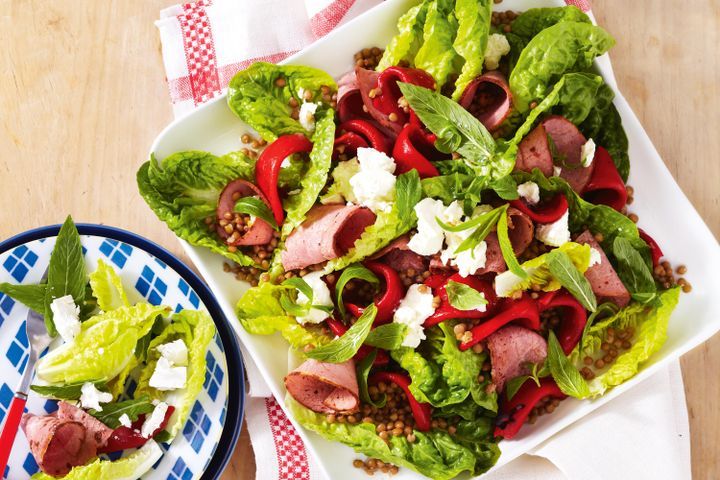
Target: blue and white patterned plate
{"x": 149, "y": 273}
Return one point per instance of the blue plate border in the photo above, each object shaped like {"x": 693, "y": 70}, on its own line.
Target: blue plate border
{"x": 236, "y": 384}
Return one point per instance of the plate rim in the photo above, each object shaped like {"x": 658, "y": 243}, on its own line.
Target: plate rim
{"x": 233, "y": 357}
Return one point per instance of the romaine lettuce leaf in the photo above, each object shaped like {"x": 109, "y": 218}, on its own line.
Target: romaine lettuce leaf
{"x": 473, "y": 17}
{"x": 562, "y": 48}
{"x": 436, "y": 55}
{"x": 184, "y": 190}
{"x": 259, "y": 95}
{"x": 102, "y": 349}
{"x": 340, "y": 189}
{"x": 534, "y": 20}
{"x": 107, "y": 288}
{"x": 404, "y": 46}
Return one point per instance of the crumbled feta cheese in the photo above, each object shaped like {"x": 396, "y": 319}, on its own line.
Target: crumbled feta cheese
{"x": 168, "y": 377}
{"x": 497, "y": 46}
{"x": 556, "y": 171}
{"x": 125, "y": 420}
{"x": 176, "y": 352}
{"x": 91, "y": 397}
{"x": 430, "y": 236}
{"x": 530, "y": 192}
{"x": 595, "y": 257}
{"x": 413, "y": 310}
{"x": 307, "y": 115}
{"x": 66, "y": 316}
{"x": 321, "y": 296}
{"x": 374, "y": 185}
{"x": 470, "y": 261}
{"x": 587, "y": 153}
{"x": 154, "y": 421}
{"x": 554, "y": 234}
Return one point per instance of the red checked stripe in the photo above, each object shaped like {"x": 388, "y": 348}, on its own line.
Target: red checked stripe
{"x": 583, "y": 5}
{"x": 203, "y": 81}
{"x": 328, "y": 18}
{"x": 290, "y": 449}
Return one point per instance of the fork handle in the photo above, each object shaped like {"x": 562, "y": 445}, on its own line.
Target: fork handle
{"x": 12, "y": 422}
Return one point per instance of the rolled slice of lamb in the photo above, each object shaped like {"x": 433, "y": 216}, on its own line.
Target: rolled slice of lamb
{"x": 603, "y": 278}
{"x": 325, "y": 387}
{"x": 58, "y": 444}
{"x": 512, "y": 348}
{"x": 489, "y": 99}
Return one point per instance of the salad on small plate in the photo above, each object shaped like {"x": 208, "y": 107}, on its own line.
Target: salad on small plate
{"x": 441, "y": 236}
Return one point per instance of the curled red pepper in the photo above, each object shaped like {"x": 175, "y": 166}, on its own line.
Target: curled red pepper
{"x": 388, "y": 300}
{"x": 339, "y": 329}
{"x": 523, "y": 312}
{"x": 267, "y": 168}
{"x": 655, "y": 251}
{"x": 605, "y": 185}
{"x": 369, "y": 132}
{"x": 546, "y": 212}
{"x": 123, "y": 437}
{"x": 415, "y": 148}
{"x": 422, "y": 411}
{"x": 347, "y": 144}
{"x": 446, "y": 311}
{"x": 573, "y": 320}
{"x": 513, "y": 413}
{"x": 387, "y": 100}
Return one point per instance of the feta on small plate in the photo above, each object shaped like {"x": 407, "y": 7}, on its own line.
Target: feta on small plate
{"x": 91, "y": 397}
{"x": 66, "y": 316}
{"x": 413, "y": 310}
{"x": 321, "y": 297}
{"x": 168, "y": 377}
{"x": 154, "y": 421}
{"x": 176, "y": 352}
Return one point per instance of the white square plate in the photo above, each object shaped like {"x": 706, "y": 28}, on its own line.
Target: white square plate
{"x": 664, "y": 211}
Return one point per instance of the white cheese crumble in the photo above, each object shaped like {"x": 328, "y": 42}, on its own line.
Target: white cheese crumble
{"x": 66, "y": 316}
{"x": 497, "y": 46}
{"x": 556, "y": 233}
{"x": 374, "y": 185}
{"x": 91, "y": 397}
{"x": 413, "y": 310}
{"x": 556, "y": 171}
{"x": 587, "y": 154}
{"x": 154, "y": 421}
{"x": 167, "y": 377}
{"x": 506, "y": 282}
{"x": 595, "y": 257}
{"x": 321, "y": 296}
{"x": 430, "y": 236}
{"x": 176, "y": 352}
{"x": 125, "y": 420}
{"x": 530, "y": 192}
{"x": 307, "y": 115}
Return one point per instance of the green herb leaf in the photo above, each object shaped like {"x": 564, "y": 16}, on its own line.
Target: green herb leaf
{"x": 70, "y": 391}
{"x": 564, "y": 270}
{"x": 505, "y": 188}
{"x": 133, "y": 408}
{"x": 408, "y": 192}
{"x": 257, "y": 208}
{"x": 632, "y": 270}
{"x": 606, "y": 309}
{"x": 33, "y": 296}
{"x": 464, "y": 297}
{"x": 362, "y": 369}
{"x": 564, "y": 372}
{"x": 292, "y": 307}
{"x": 354, "y": 271}
{"x": 513, "y": 385}
{"x": 388, "y": 337}
{"x": 506, "y": 246}
{"x": 343, "y": 348}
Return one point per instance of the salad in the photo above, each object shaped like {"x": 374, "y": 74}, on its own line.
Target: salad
{"x": 125, "y": 376}
{"x": 441, "y": 236}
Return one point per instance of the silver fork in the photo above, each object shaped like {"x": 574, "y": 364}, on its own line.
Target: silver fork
{"x": 39, "y": 340}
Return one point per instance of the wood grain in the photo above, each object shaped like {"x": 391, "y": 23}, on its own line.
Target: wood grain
{"x": 82, "y": 95}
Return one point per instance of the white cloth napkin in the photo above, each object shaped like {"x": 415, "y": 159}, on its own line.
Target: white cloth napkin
{"x": 642, "y": 434}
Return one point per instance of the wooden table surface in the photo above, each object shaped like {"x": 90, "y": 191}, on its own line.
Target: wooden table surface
{"x": 82, "y": 95}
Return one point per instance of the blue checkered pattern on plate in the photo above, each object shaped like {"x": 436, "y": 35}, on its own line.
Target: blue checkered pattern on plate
{"x": 145, "y": 278}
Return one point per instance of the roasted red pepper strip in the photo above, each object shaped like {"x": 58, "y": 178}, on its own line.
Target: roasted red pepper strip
{"x": 387, "y": 99}
{"x": 574, "y": 317}
{"x": 339, "y": 329}
{"x": 513, "y": 413}
{"x": 267, "y": 168}
{"x": 369, "y": 132}
{"x": 422, "y": 412}
{"x": 545, "y": 212}
{"x": 414, "y": 148}
{"x": 123, "y": 437}
{"x": 347, "y": 144}
{"x": 388, "y": 300}
{"x": 655, "y": 251}
{"x": 605, "y": 185}
{"x": 446, "y": 311}
{"x": 523, "y": 312}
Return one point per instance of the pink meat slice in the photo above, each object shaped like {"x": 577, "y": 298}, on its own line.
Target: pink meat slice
{"x": 399, "y": 256}
{"x": 328, "y": 232}
{"x": 493, "y": 91}
{"x": 98, "y": 431}
{"x": 520, "y": 230}
{"x": 534, "y": 152}
{"x": 494, "y": 261}
{"x": 512, "y": 348}
{"x": 569, "y": 142}
{"x": 368, "y": 80}
{"x": 349, "y": 99}
{"x": 57, "y": 444}
{"x": 325, "y": 387}
{"x": 603, "y": 278}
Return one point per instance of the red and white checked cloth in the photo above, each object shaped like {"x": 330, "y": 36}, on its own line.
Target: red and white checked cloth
{"x": 643, "y": 434}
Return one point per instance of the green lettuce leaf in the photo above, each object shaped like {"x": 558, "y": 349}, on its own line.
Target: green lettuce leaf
{"x": 107, "y": 288}
{"x": 340, "y": 189}
{"x": 184, "y": 190}
{"x": 404, "y": 46}
{"x": 129, "y": 467}
{"x": 101, "y": 350}
{"x": 473, "y": 18}
{"x": 535, "y": 20}
{"x": 259, "y": 95}
{"x": 436, "y": 55}
{"x": 562, "y": 48}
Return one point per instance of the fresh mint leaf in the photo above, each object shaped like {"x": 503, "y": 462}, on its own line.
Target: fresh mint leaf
{"x": 506, "y": 246}
{"x": 133, "y": 408}
{"x": 163, "y": 437}
{"x": 513, "y": 385}
{"x": 388, "y": 337}
{"x": 33, "y": 296}
{"x": 606, "y": 309}
{"x": 632, "y": 270}
{"x": 343, "y": 348}
{"x": 483, "y": 225}
{"x": 505, "y": 188}
{"x": 565, "y": 272}
{"x": 70, "y": 391}
{"x": 292, "y": 307}
{"x": 257, "y": 208}
{"x": 564, "y": 372}
{"x": 464, "y": 297}
{"x": 362, "y": 369}
{"x": 408, "y": 192}
{"x": 354, "y": 271}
